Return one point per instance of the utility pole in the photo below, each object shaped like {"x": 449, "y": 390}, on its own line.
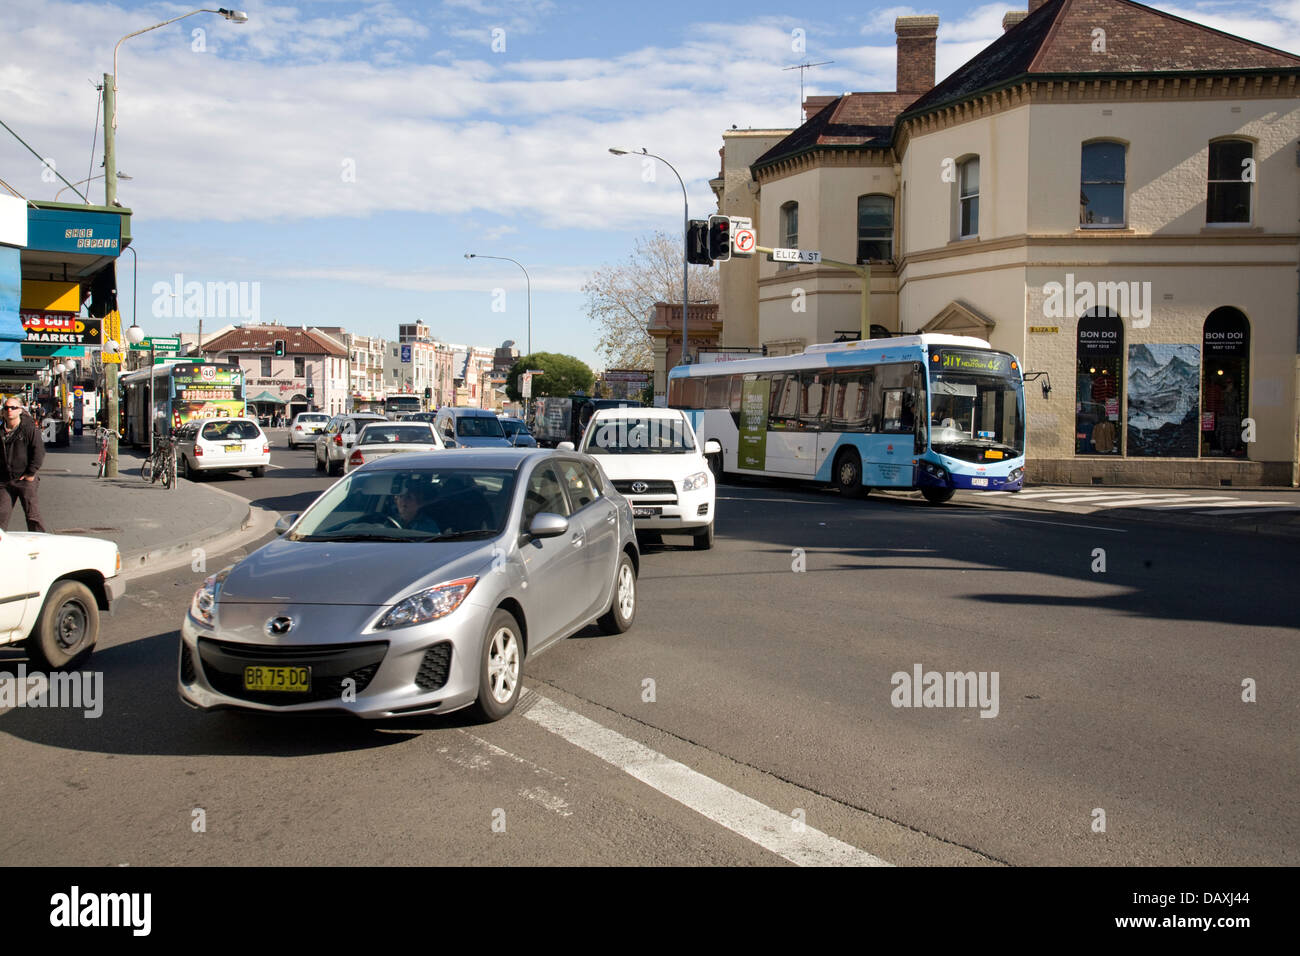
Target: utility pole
{"x": 110, "y": 197}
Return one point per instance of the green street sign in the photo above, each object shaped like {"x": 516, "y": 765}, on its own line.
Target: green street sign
{"x": 164, "y": 359}
{"x": 158, "y": 345}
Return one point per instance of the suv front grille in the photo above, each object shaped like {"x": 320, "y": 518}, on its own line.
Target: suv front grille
{"x": 654, "y": 488}
{"x": 331, "y": 665}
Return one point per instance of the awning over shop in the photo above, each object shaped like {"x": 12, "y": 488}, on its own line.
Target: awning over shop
{"x": 267, "y": 397}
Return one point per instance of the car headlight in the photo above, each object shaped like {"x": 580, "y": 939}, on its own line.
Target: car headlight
{"x": 429, "y": 604}
{"x": 698, "y": 480}
{"x": 204, "y": 603}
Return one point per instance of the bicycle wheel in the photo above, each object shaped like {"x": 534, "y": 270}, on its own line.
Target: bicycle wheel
{"x": 146, "y": 470}
{"x": 169, "y": 477}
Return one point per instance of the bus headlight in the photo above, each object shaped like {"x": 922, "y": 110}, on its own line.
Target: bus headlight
{"x": 937, "y": 472}
{"x": 1017, "y": 474}
{"x": 693, "y": 482}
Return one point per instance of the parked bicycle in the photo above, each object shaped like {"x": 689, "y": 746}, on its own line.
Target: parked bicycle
{"x": 161, "y": 464}
{"x": 101, "y": 436}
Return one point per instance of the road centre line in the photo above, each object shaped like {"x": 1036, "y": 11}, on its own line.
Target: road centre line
{"x": 772, "y": 830}
{"x": 983, "y": 513}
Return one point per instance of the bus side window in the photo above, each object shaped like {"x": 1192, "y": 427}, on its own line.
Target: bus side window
{"x": 783, "y": 403}
{"x": 814, "y": 394}
{"x": 737, "y": 385}
{"x": 675, "y": 393}
{"x": 718, "y": 389}
{"x": 851, "y": 400}
{"x": 897, "y": 397}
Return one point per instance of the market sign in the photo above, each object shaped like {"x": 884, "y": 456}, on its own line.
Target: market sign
{"x": 61, "y": 328}
{"x": 74, "y": 231}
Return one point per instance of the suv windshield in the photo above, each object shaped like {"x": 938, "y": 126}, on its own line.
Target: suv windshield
{"x": 411, "y": 505}
{"x": 972, "y": 413}
{"x": 479, "y": 426}
{"x": 639, "y": 436}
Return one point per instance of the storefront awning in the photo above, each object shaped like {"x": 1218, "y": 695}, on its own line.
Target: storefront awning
{"x": 267, "y": 397}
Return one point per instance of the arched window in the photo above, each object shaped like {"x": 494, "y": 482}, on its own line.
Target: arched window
{"x": 789, "y": 229}
{"x": 1101, "y": 185}
{"x": 1231, "y": 175}
{"x": 968, "y": 198}
{"x": 1225, "y": 382}
{"x": 875, "y": 228}
{"x": 1098, "y": 383}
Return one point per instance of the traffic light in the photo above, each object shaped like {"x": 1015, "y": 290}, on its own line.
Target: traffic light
{"x": 428, "y": 393}
{"x": 719, "y": 238}
{"x": 697, "y": 242}
{"x": 279, "y": 348}
{"x": 311, "y": 392}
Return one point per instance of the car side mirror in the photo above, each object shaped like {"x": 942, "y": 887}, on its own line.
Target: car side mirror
{"x": 547, "y": 524}
{"x": 712, "y": 447}
{"x": 285, "y": 523}
{"x": 565, "y": 446}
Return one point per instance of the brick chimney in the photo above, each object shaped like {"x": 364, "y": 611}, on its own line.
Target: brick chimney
{"x": 1011, "y": 18}
{"x": 916, "y": 40}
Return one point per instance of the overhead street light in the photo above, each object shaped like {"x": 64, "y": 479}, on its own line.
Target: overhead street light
{"x": 683, "y": 359}
{"x": 122, "y": 177}
{"x": 529, "y": 284}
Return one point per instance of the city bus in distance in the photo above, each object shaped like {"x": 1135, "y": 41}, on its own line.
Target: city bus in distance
{"x": 395, "y": 406}
{"x": 926, "y": 412}
{"x": 174, "y": 393}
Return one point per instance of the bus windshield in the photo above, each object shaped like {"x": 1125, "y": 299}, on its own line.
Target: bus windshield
{"x": 972, "y": 413}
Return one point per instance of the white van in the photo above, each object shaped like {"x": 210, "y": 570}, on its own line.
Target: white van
{"x": 654, "y": 460}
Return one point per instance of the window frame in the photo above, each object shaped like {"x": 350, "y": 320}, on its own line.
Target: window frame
{"x": 1210, "y": 183}
{"x": 1122, "y": 183}
{"x": 963, "y": 198}
{"x": 889, "y": 240}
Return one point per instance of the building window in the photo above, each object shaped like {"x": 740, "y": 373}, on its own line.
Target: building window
{"x": 789, "y": 229}
{"x": 875, "y": 228}
{"x": 1101, "y": 185}
{"x": 1232, "y": 171}
{"x": 266, "y": 366}
{"x": 1225, "y": 382}
{"x": 1098, "y": 382}
{"x": 299, "y": 366}
{"x": 968, "y": 192}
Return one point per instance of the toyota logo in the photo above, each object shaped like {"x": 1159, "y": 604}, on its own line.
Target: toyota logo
{"x": 277, "y": 626}
{"x": 639, "y": 487}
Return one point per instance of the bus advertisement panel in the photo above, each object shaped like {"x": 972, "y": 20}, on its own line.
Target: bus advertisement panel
{"x": 205, "y": 391}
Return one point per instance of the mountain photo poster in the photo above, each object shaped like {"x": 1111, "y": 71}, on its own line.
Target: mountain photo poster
{"x": 1164, "y": 398}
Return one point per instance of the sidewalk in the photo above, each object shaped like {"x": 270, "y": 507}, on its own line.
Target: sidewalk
{"x": 147, "y": 521}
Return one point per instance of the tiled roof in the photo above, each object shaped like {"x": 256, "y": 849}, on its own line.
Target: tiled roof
{"x": 854, "y": 119}
{"x": 261, "y": 338}
{"x": 1057, "y": 39}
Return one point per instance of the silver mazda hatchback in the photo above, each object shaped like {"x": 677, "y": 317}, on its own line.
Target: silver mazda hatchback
{"x": 416, "y": 585}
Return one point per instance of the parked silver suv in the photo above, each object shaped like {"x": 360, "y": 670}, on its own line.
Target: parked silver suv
{"x": 335, "y": 441}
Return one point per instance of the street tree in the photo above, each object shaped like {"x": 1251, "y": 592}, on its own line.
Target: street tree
{"x": 561, "y": 375}
{"x": 621, "y": 297}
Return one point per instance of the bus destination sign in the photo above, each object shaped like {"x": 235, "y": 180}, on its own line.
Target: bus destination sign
{"x": 969, "y": 360}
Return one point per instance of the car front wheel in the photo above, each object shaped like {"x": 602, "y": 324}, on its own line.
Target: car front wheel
{"x": 67, "y": 628}
{"x": 501, "y": 668}
{"x": 622, "y": 605}
{"x": 704, "y": 538}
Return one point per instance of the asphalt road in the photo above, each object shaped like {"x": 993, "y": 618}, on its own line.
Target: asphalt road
{"x": 1119, "y": 693}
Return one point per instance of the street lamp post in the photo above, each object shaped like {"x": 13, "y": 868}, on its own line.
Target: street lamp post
{"x": 122, "y": 177}
{"x": 528, "y": 283}
{"x": 110, "y": 195}
{"x": 686, "y": 228}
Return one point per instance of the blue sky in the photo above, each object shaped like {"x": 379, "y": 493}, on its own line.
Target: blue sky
{"x": 345, "y": 155}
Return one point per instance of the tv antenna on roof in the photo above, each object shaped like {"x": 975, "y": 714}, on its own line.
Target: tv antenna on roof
{"x": 801, "y": 67}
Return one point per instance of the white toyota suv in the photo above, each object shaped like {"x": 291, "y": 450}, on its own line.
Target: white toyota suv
{"x": 654, "y": 460}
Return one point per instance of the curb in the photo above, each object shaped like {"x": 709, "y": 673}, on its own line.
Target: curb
{"x": 147, "y": 558}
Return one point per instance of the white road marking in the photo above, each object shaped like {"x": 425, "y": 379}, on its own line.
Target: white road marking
{"x": 1057, "y": 524}
{"x": 770, "y": 829}
{"x": 1066, "y": 498}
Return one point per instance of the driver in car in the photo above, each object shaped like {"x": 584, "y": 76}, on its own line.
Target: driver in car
{"x": 411, "y": 500}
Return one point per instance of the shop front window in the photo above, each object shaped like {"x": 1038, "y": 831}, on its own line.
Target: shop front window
{"x": 1225, "y": 382}
{"x": 1098, "y": 383}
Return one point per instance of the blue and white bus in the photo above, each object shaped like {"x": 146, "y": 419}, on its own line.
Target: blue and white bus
{"x": 929, "y": 412}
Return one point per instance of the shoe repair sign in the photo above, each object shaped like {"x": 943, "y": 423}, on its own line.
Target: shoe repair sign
{"x": 61, "y": 328}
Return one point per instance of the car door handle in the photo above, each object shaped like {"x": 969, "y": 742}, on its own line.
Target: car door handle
{"x": 577, "y": 541}
{"x": 611, "y": 517}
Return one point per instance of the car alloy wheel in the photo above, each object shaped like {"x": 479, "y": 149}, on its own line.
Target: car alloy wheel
{"x": 622, "y": 604}
{"x": 500, "y": 668}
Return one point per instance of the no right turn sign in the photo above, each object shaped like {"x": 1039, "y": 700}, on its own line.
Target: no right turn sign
{"x": 743, "y": 241}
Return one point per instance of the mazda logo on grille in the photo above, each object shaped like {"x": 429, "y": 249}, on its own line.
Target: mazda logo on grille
{"x": 639, "y": 487}
{"x": 279, "y": 625}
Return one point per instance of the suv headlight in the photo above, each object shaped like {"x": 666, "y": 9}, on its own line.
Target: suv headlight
{"x": 698, "y": 480}
{"x": 204, "y": 603}
{"x": 429, "y": 604}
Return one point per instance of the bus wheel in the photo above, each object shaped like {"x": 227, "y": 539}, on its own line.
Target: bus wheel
{"x": 848, "y": 474}
{"x": 937, "y": 496}
{"x": 715, "y": 466}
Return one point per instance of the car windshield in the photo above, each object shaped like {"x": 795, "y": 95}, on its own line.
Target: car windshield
{"x": 479, "y": 426}
{"x": 513, "y": 428}
{"x": 234, "y": 430}
{"x": 313, "y": 418}
{"x": 972, "y": 412}
{"x": 411, "y": 505}
{"x": 639, "y": 436}
{"x": 395, "y": 434}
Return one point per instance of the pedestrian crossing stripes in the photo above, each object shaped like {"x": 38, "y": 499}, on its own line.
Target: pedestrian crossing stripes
{"x": 1150, "y": 500}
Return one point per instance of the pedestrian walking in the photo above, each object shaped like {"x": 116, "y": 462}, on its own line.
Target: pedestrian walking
{"x": 22, "y": 457}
